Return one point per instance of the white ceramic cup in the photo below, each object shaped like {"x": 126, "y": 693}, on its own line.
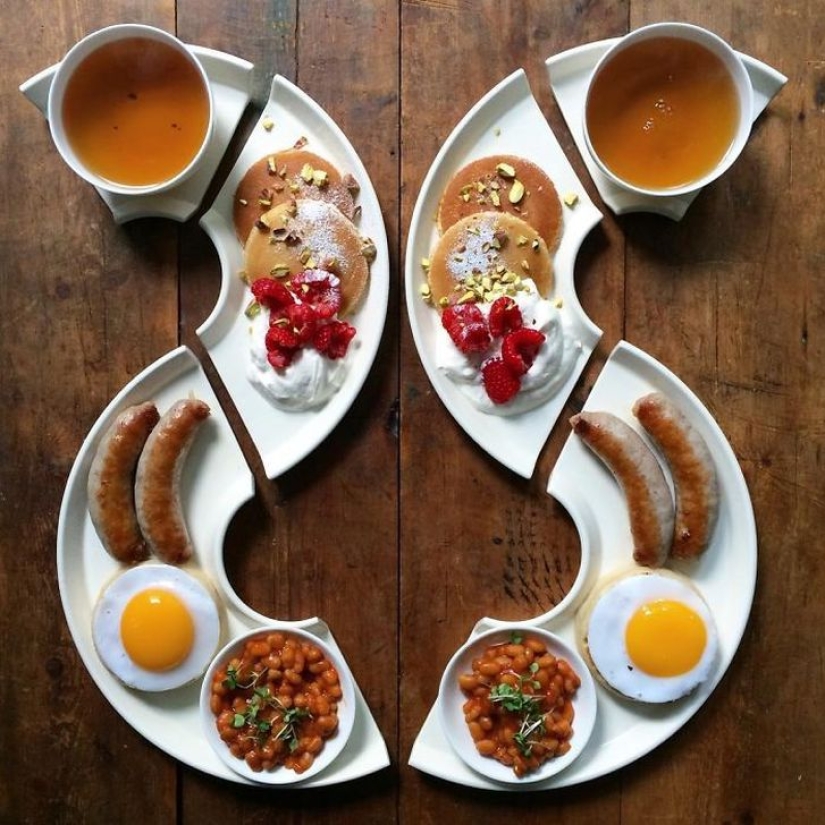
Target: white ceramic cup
{"x": 738, "y": 73}
{"x": 57, "y": 91}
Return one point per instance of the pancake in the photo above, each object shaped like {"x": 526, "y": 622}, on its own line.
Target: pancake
{"x": 485, "y": 185}
{"x": 309, "y": 234}
{"x": 277, "y": 179}
{"x": 488, "y": 244}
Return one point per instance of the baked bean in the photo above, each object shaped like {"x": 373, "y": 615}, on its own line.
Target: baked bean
{"x": 276, "y": 703}
{"x": 467, "y": 681}
{"x": 542, "y": 728}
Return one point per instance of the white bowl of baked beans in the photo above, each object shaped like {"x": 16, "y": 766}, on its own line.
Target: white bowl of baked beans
{"x": 517, "y": 704}
{"x": 277, "y": 705}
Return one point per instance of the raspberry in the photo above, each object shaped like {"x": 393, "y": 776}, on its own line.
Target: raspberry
{"x": 281, "y": 335}
{"x": 466, "y": 326}
{"x": 303, "y": 320}
{"x": 500, "y": 382}
{"x": 505, "y": 316}
{"x": 320, "y": 289}
{"x": 333, "y": 339}
{"x": 272, "y": 294}
{"x": 280, "y": 358}
{"x": 519, "y": 348}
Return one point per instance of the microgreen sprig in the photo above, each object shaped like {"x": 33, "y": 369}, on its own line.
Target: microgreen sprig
{"x": 527, "y": 705}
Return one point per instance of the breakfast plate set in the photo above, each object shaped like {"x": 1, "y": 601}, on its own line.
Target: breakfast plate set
{"x": 217, "y": 482}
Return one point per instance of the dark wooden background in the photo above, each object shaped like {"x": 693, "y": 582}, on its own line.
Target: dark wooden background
{"x": 430, "y": 533}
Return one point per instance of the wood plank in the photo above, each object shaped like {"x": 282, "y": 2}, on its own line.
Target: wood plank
{"x": 477, "y": 540}
{"x": 322, "y": 539}
{"x": 84, "y": 308}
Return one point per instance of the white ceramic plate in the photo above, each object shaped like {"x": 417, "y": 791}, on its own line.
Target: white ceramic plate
{"x": 725, "y": 575}
{"x": 216, "y": 482}
{"x": 284, "y": 438}
{"x": 451, "y": 699}
{"x": 332, "y": 746}
{"x": 506, "y": 121}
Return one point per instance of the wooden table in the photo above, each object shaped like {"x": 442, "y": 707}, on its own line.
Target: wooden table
{"x": 398, "y": 530}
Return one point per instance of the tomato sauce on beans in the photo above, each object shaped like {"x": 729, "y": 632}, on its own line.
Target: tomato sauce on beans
{"x": 519, "y": 707}
{"x": 277, "y": 702}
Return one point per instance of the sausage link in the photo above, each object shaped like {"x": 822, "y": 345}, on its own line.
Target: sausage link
{"x": 110, "y": 487}
{"x": 637, "y": 471}
{"x": 157, "y": 486}
{"x": 692, "y": 469}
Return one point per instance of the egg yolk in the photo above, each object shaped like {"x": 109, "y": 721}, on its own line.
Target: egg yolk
{"x": 156, "y": 629}
{"x": 665, "y": 638}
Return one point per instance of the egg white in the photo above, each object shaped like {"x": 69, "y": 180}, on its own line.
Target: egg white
{"x": 605, "y": 636}
{"x": 109, "y": 610}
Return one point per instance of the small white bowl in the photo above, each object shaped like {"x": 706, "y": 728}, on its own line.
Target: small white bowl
{"x": 738, "y": 73}
{"x": 332, "y": 746}
{"x": 67, "y": 67}
{"x": 451, "y": 699}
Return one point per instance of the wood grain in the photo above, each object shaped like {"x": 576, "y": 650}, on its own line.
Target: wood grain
{"x": 398, "y": 530}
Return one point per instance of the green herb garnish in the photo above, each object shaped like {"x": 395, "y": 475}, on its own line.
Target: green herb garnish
{"x": 262, "y": 698}
{"x": 526, "y": 705}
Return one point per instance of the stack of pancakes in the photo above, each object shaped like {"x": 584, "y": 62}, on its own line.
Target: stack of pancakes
{"x": 498, "y": 214}
{"x": 294, "y": 211}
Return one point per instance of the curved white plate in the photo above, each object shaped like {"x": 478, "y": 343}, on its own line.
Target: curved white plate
{"x": 507, "y": 120}
{"x": 284, "y": 438}
{"x": 725, "y": 574}
{"x": 216, "y": 482}
{"x": 569, "y": 76}
{"x": 230, "y": 78}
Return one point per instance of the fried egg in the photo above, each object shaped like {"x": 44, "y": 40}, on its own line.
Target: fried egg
{"x": 651, "y": 637}
{"x": 156, "y": 627}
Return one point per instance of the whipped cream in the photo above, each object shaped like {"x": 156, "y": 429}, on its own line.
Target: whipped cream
{"x": 550, "y": 369}
{"x": 309, "y": 381}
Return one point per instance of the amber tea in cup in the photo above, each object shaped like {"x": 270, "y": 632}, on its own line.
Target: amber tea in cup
{"x": 668, "y": 109}
{"x": 132, "y": 112}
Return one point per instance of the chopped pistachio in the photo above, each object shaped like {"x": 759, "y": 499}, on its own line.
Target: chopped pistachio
{"x": 505, "y": 170}
{"x": 468, "y": 296}
{"x": 268, "y": 123}
{"x": 516, "y": 191}
{"x": 444, "y": 302}
{"x": 253, "y": 309}
{"x": 466, "y": 197}
{"x": 320, "y": 178}
{"x": 307, "y": 172}
{"x": 305, "y": 256}
{"x": 425, "y": 291}
{"x": 425, "y": 264}
{"x": 293, "y": 187}
{"x": 270, "y": 165}
{"x": 352, "y": 185}
{"x": 264, "y": 202}
{"x": 521, "y": 240}
{"x": 525, "y": 266}
{"x": 495, "y": 198}
{"x": 369, "y": 250}
{"x": 558, "y": 303}
{"x": 571, "y": 199}
{"x": 279, "y": 271}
